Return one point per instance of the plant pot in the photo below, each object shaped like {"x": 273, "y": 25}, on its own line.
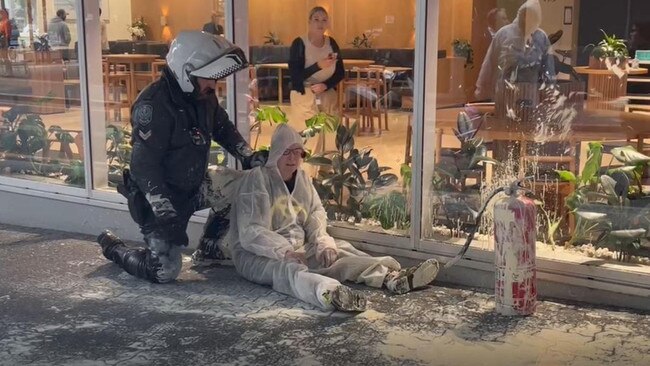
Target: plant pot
{"x": 601, "y": 63}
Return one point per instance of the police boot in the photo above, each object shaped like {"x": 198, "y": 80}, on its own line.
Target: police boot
{"x": 135, "y": 261}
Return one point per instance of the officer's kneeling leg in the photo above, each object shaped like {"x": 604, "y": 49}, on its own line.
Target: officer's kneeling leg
{"x": 165, "y": 245}
{"x": 166, "y": 260}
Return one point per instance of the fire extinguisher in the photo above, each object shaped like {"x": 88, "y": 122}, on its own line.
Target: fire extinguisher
{"x": 515, "y": 233}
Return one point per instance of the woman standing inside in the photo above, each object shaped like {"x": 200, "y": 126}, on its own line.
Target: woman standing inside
{"x": 5, "y": 29}
{"x": 316, "y": 68}
{"x": 5, "y": 34}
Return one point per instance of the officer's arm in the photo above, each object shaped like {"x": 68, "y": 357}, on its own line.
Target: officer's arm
{"x": 151, "y": 138}
{"x": 225, "y": 134}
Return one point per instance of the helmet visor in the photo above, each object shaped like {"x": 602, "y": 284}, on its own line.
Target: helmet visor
{"x": 228, "y": 63}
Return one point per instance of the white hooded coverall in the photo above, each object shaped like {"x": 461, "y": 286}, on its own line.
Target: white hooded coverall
{"x": 267, "y": 221}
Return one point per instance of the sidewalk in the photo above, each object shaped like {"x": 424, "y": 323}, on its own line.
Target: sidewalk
{"x": 62, "y": 303}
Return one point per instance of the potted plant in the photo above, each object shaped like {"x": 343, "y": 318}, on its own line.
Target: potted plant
{"x": 462, "y": 48}
{"x": 458, "y": 201}
{"x": 118, "y": 152}
{"x": 347, "y": 177}
{"x": 610, "y": 51}
{"x": 365, "y": 39}
{"x": 272, "y": 39}
{"x": 392, "y": 210}
{"x": 138, "y": 29}
{"x": 610, "y": 209}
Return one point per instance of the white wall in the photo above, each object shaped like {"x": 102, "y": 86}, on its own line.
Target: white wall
{"x": 119, "y": 17}
{"x": 553, "y": 20}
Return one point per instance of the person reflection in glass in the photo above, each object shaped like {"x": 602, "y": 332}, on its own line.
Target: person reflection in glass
{"x": 519, "y": 52}
{"x": 497, "y": 18}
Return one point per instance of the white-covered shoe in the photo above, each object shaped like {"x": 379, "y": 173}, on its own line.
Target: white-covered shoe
{"x": 412, "y": 278}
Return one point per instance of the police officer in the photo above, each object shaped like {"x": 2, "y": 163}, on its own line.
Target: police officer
{"x": 174, "y": 120}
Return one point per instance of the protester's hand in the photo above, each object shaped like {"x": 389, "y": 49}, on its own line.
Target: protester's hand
{"x": 295, "y": 257}
{"x": 327, "y": 62}
{"x": 318, "y": 88}
{"x": 328, "y": 257}
{"x": 258, "y": 158}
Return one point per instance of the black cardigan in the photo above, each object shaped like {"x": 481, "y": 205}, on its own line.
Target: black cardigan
{"x": 299, "y": 73}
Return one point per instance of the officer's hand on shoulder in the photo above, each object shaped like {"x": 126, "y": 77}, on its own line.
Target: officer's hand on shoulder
{"x": 258, "y": 158}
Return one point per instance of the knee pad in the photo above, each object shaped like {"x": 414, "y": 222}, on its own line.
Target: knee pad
{"x": 168, "y": 265}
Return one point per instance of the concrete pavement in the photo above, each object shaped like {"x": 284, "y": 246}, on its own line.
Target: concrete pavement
{"x": 62, "y": 303}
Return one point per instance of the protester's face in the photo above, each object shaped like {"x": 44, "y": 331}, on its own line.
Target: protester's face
{"x": 291, "y": 160}
{"x": 206, "y": 88}
{"x": 319, "y": 22}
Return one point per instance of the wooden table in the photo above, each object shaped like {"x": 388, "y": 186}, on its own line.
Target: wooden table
{"x": 351, "y": 63}
{"x": 348, "y": 64}
{"x": 131, "y": 60}
{"x": 590, "y": 125}
{"x": 606, "y": 86}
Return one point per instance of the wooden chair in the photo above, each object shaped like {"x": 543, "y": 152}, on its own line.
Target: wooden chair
{"x": 370, "y": 87}
{"x": 114, "y": 83}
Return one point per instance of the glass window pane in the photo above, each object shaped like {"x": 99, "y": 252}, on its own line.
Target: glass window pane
{"x": 40, "y": 125}
{"x": 135, "y": 38}
{"x": 555, "y": 92}
{"x": 371, "y": 100}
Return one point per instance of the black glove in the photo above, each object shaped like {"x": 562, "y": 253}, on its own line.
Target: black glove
{"x": 164, "y": 211}
{"x": 258, "y": 158}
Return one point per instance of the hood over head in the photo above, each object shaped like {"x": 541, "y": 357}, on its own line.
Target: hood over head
{"x": 529, "y": 16}
{"x": 283, "y": 137}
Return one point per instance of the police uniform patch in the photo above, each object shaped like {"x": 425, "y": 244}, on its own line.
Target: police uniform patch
{"x": 143, "y": 114}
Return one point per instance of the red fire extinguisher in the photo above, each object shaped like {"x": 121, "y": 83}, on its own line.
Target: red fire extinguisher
{"x": 515, "y": 233}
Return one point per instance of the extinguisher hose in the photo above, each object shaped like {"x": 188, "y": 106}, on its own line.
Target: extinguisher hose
{"x": 509, "y": 190}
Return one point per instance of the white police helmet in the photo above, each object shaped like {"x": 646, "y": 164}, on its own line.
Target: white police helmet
{"x": 195, "y": 54}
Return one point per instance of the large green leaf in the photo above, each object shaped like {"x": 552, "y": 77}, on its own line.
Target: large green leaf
{"x": 622, "y": 184}
{"x": 8, "y": 141}
{"x": 628, "y": 233}
{"x": 343, "y": 138}
{"x": 478, "y": 159}
{"x": 385, "y": 180}
{"x": 271, "y": 114}
{"x": 407, "y": 174}
{"x": 358, "y": 176}
{"x": 566, "y": 176}
{"x": 465, "y": 126}
{"x": 629, "y": 156}
{"x": 609, "y": 186}
{"x": 594, "y": 161}
{"x": 65, "y": 137}
{"x": 591, "y": 216}
{"x": 373, "y": 170}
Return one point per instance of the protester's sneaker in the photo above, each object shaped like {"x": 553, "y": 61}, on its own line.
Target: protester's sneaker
{"x": 108, "y": 241}
{"x": 344, "y": 298}
{"x": 412, "y": 278}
